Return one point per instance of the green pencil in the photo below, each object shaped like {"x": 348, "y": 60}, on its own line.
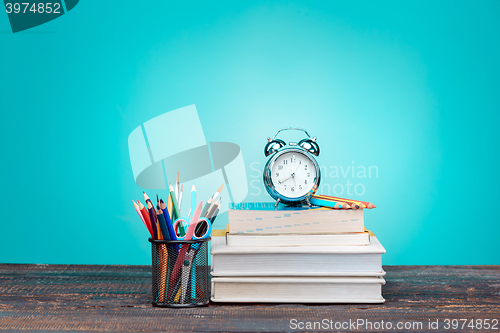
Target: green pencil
{"x": 176, "y": 214}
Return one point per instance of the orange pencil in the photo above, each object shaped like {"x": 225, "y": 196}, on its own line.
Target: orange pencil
{"x": 367, "y": 204}
{"x": 170, "y": 207}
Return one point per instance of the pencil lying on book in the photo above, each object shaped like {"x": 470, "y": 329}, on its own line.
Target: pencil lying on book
{"x": 345, "y": 205}
{"x": 363, "y": 204}
{"x": 326, "y": 198}
{"x": 317, "y": 201}
{"x": 367, "y": 204}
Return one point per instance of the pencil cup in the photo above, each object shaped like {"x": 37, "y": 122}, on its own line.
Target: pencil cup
{"x": 181, "y": 275}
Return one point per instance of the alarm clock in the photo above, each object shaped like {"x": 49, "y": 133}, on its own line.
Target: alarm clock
{"x": 291, "y": 175}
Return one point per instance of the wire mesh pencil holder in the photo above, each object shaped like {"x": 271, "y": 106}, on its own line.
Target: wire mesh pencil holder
{"x": 181, "y": 277}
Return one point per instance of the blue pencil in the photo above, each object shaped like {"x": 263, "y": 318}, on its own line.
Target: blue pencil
{"x": 170, "y": 225}
{"x": 163, "y": 223}
{"x": 325, "y": 203}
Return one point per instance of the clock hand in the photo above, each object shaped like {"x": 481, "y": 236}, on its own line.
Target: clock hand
{"x": 284, "y": 180}
{"x": 293, "y": 171}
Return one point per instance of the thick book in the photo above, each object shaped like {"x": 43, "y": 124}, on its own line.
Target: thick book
{"x": 265, "y": 218}
{"x": 296, "y": 260}
{"x": 248, "y": 239}
{"x": 298, "y": 289}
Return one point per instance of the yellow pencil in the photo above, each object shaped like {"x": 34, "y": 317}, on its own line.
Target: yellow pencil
{"x": 359, "y": 203}
{"x": 169, "y": 207}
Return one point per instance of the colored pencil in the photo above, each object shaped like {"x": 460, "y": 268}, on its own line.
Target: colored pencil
{"x": 163, "y": 223}
{"x": 175, "y": 210}
{"x": 325, "y": 203}
{"x": 182, "y": 253}
{"x": 163, "y": 254}
{"x": 170, "y": 207}
{"x": 212, "y": 210}
{"x": 206, "y": 207}
{"x": 170, "y": 226}
{"x": 136, "y": 206}
{"x": 158, "y": 230}
{"x": 193, "y": 197}
{"x": 202, "y": 228}
{"x": 176, "y": 189}
{"x": 163, "y": 205}
{"x": 363, "y": 204}
{"x": 212, "y": 219}
{"x": 216, "y": 194}
{"x": 145, "y": 215}
{"x": 175, "y": 204}
{"x": 152, "y": 215}
{"x": 345, "y": 205}
{"x": 180, "y": 198}
{"x": 335, "y": 199}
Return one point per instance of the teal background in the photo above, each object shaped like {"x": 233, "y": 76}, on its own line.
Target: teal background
{"x": 411, "y": 88}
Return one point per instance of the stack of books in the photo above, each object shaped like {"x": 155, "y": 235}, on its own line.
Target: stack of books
{"x": 296, "y": 255}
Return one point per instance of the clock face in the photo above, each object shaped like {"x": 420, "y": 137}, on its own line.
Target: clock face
{"x": 293, "y": 174}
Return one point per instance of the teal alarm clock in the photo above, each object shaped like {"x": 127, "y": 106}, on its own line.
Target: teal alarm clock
{"x": 291, "y": 175}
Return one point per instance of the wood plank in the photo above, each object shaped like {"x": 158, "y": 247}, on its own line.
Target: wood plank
{"x": 117, "y": 298}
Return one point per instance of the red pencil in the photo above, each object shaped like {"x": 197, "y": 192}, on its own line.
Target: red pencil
{"x": 145, "y": 214}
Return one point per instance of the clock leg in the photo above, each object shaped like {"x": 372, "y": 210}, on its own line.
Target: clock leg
{"x": 308, "y": 203}
{"x": 277, "y": 202}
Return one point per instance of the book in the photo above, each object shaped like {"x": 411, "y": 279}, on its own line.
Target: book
{"x": 265, "y": 218}
{"x": 296, "y": 260}
{"x": 248, "y": 239}
{"x": 298, "y": 289}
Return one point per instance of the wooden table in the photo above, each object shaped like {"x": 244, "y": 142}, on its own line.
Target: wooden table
{"x": 118, "y": 298}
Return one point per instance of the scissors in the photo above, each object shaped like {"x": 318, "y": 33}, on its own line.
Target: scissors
{"x": 188, "y": 252}
{"x": 192, "y": 226}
